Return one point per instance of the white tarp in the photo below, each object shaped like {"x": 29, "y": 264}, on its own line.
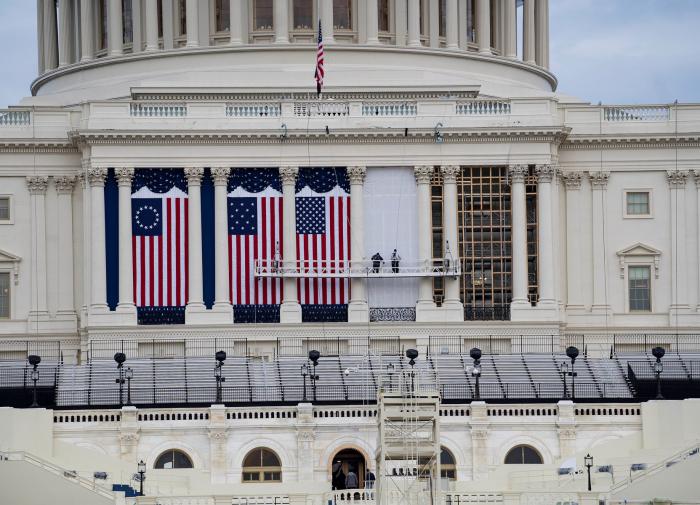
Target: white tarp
{"x": 391, "y": 222}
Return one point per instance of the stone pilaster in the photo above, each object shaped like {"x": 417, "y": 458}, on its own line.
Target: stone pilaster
{"x": 37, "y": 185}
{"x": 358, "y": 310}
{"x": 679, "y": 264}
{"x": 98, "y": 276}
{"x": 195, "y": 310}
{"x": 222, "y": 302}
{"x": 574, "y": 244}
{"x": 599, "y": 184}
{"x": 218, "y": 439}
{"x": 126, "y": 306}
{"x": 290, "y": 310}
{"x": 306, "y": 438}
{"x": 66, "y": 303}
{"x": 452, "y": 305}
{"x": 479, "y": 431}
{"x": 425, "y": 307}
{"x": 566, "y": 428}
{"x": 519, "y": 237}
{"x": 545, "y": 229}
{"x": 129, "y": 434}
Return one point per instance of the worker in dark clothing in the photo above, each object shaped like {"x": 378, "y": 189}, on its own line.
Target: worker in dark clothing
{"x": 395, "y": 258}
{"x": 376, "y": 262}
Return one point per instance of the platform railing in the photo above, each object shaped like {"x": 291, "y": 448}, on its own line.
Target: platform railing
{"x": 356, "y": 269}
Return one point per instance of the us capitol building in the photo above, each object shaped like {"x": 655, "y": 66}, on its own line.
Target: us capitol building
{"x": 439, "y": 281}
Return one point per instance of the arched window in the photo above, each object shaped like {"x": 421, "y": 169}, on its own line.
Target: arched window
{"x": 523, "y": 455}
{"x": 172, "y": 458}
{"x": 262, "y": 465}
{"x": 447, "y": 464}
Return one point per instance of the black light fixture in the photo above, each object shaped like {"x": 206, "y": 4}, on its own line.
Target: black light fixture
{"x": 129, "y": 374}
{"x": 412, "y": 354}
{"x": 220, "y": 357}
{"x": 658, "y": 353}
{"x": 572, "y": 353}
{"x": 475, "y": 354}
{"x": 588, "y": 461}
{"x": 120, "y": 358}
{"x": 314, "y": 356}
{"x": 34, "y": 360}
{"x": 142, "y": 475}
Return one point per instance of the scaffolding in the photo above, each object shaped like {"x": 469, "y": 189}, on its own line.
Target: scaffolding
{"x": 408, "y": 449}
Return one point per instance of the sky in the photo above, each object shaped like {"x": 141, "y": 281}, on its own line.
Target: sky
{"x": 610, "y": 51}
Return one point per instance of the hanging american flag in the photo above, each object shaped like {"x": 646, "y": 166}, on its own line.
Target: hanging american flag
{"x": 255, "y": 233}
{"x": 323, "y": 242}
{"x": 159, "y": 244}
{"x": 319, "y": 74}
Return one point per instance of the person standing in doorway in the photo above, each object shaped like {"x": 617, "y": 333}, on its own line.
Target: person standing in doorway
{"x": 351, "y": 480}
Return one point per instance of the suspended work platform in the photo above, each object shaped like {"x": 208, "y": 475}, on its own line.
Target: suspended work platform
{"x": 334, "y": 269}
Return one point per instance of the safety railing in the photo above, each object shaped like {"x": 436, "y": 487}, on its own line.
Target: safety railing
{"x": 13, "y": 350}
{"x": 356, "y": 269}
{"x": 167, "y": 348}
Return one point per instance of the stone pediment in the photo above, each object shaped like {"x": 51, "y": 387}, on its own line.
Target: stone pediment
{"x": 639, "y": 253}
{"x": 8, "y": 259}
{"x": 639, "y": 249}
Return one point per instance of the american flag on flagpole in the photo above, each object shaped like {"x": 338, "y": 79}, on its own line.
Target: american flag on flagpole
{"x": 319, "y": 74}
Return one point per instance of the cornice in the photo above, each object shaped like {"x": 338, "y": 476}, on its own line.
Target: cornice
{"x": 574, "y": 142}
{"x": 37, "y": 146}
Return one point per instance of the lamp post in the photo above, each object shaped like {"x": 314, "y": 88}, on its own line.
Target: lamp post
{"x": 34, "y": 360}
{"x": 129, "y": 374}
{"x": 304, "y": 374}
{"x": 220, "y": 357}
{"x": 314, "y": 356}
{"x": 412, "y": 354}
{"x": 564, "y": 372}
{"x": 475, "y": 354}
{"x": 572, "y": 353}
{"x": 120, "y": 358}
{"x": 658, "y": 353}
{"x": 142, "y": 476}
{"x": 588, "y": 460}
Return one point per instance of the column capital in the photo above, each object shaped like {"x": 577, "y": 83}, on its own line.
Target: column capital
{"x": 696, "y": 175}
{"x": 288, "y": 174}
{"x": 599, "y": 180}
{"x": 64, "y": 184}
{"x": 450, "y": 173}
{"x": 220, "y": 175}
{"x": 96, "y": 176}
{"x": 357, "y": 174}
{"x": 518, "y": 173}
{"x": 37, "y": 184}
{"x": 572, "y": 180}
{"x": 124, "y": 175}
{"x": 194, "y": 175}
{"x": 676, "y": 178}
{"x": 545, "y": 173}
{"x": 423, "y": 173}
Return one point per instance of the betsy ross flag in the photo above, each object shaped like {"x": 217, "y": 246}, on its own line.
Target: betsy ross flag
{"x": 319, "y": 74}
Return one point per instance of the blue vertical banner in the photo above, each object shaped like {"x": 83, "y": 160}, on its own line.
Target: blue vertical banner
{"x": 208, "y": 259}
{"x": 112, "y": 246}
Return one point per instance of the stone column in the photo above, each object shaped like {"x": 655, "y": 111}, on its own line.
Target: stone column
{"x": 566, "y": 428}
{"x": 423, "y": 174}
{"x": 479, "y": 429}
{"x": 129, "y": 433}
{"x": 218, "y": 438}
{"x": 696, "y": 175}
{"x": 434, "y": 24}
{"x": 400, "y": 21}
{"x": 151, "y": 25}
{"x": 519, "y": 236}
{"x": 452, "y": 25}
{"x": 281, "y": 21}
{"x": 545, "y": 237}
{"x": 529, "y": 31}
{"x": 40, "y": 36}
{"x": 327, "y": 21}
{"x": 372, "y": 22}
{"x": 290, "y": 310}
{"x": 452, "y": 303}
{"x": 599, "y": 183}
{"x": 65, "y": 33}
{"x": 305, "y": 428}
{"x": 195, "y": 304}
{"x": 222, "y": 302}
{"x": 483, "y": 26}
{"x": 50, "y": 36}
{"x": 414, "y": 23}
{"x": 66, "y": 303}
{"x": 511, "y": 35}
{"x": 236, "y": 22}
{"x": 138, "y": 36}
{"x": 126, "y": 267}
{"x": 542, "y": 33}
{"x": 192, "y": 21}
{"x": 37, "y": 185}
{"x": 84, "y": 272}
{"x": 358, "y": 310}
{"x": 679, "y": 265}
{"x": 115, "y": 34}
{"x": 87, "y": 35}
{"x": 574, "y": 245}
{"x": 98, "y": 272}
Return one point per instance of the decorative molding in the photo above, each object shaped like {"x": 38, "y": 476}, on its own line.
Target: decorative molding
{"x": 518, "y": 173}
{"x": 7, "y": 258}
{"x": 124, "y": 175}
{"x": 572, "y": 180}
{"x": 677, "y": 178}
{"x": 97, "y": 176}
{"x": 575, "y": 142}
{"x": 450, "y": 173}
{"x": 639, "y": 253}
{"x": 423, "y": 173}
{"x": 37, "y": 184}
{"x": 567, "y": 433}
{"x": 357, "y": 174}
{"x": 392, "y": 314}
{"x": 696, "y": 175}
{"x": 545, "y": 173}
{"x": 220, "y": 175}
{"x": 194, "y": 175}
{"x": 218, "y": 434}
{"x": 599, "y": 180}
{"x": 479, "y": 434}
{"x": 288, "y": 174}
{"x": 65, "y": 183}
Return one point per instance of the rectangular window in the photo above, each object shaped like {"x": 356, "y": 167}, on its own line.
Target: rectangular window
{"x": 160, "y": 18}
{"x": 637, "y": 203}
{"x": 342, "y": 14}
{"x": 102, "y": 25}
{"x": 442, "y": 12}
{"x": 182, "y": 16}
{"x": 383, "y": 6}
{"x": 303, "y": 13}
{"x": 4, "y": 295}
{"x": 471, "y": 11}
{"x": 640, "y": 288}
{"x": 4, "y": 208}
{"x": 262, "y": 15}
{"x": 127, "y": 22}
{"x": 223, "y": 15}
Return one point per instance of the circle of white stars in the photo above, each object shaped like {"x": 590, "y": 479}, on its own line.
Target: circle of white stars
{"x": 156, "y": 219}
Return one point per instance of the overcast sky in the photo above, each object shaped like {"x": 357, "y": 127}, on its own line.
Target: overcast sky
{"x": 614, "y": 51}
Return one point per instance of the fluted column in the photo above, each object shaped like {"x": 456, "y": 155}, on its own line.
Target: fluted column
{"x": 679, "y": 266}
{"x": 511, "y": 35}
{"x": 529, "y": 31}
{"x": 423, "y": 174}
{"x": 434, "y": 24}
{"x": 372, "y": 22}
{"x": 40, "y": 36}
{"x": 327, "y": 21}
{"x": 192, "y": 21}
{"x": 599, "y": 184}
{"x": 574, "y": 244}
{"x": 65, "y": 33}
{"x": 64, "y": 189}
{"x": 50, "y": 36}
{"x": 195, "y": 303}
{"x": 483, "y": 26}
{"x": 545, "y": 236}
{"x": 115, "y": 33}
{"x": 452, "y": 25}
{"x": 400, "y": 21}
{"x": 281, "y": 21}
{"x": 98, "y": 272}
{"x": 290, "y": 311}
{"x": 236, "y": 11}
{"x": 519, "y": 235}
{"x": 452, "y": 301}
{"x": 87, "y": 35}
{"x": 151, "y": 25}
{"x": 414, "y": 23}
{"x": 542, "y": 33}
{"x": 358, "y": 310}
{"x": 696, "y": 175}
{"x": 126, "y": 304}
{"x": 37, "y": 185}
{"x": 222, "y": 301}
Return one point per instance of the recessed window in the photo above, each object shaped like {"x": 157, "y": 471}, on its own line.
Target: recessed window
{"x": 637, "y": 203}
{"x": 303, "y": 13}
{"x": 5, "y": 208}
{"x": 262, "y": 15}
{"x": 173, "y": 459}
{"x": 4, "y": 295}
{"x": 523, "y": 455}
{"x": 223, "y": 15}
{"x": 262, "y": 465}
{"x": 342, "y": 14}
{"x": 639, "y": 278}
{"x": 383, "y": 13}
{"x": 127, "y": 22}
{"x": 182, "y": 17}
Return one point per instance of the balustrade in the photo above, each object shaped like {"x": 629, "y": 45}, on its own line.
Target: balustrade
{"x": 483, "y": 107}
{"x": 641, "y": 113}
{"x": 321, "y": 109}
{"x": 270, "y": 109}
{"x": 390, "y": 109}
{"x": 15, "y": 118}
{"x": 158, "y": 110}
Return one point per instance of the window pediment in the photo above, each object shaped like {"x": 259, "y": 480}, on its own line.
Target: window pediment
{"x": 9, "y": 260}
{"x": 639, "y": 253}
